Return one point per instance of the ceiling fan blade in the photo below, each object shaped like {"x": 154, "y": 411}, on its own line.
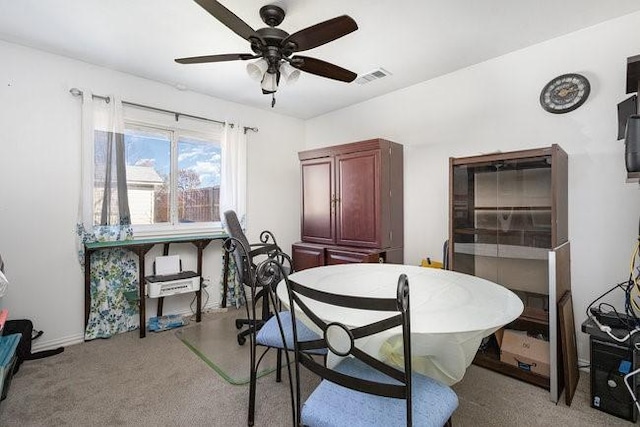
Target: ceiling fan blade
{"x": 229, "y": 19}
{"x": 322, "y": 68}
{"x": 321, "y": 33}
{"x": 216, "y": 58}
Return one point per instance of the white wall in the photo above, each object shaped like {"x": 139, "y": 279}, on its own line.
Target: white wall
{"x": 487, "y": 107}
{"x": 494, "y": 106}
{"x": 40, "y": 181}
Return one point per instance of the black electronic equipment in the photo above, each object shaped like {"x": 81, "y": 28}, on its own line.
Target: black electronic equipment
{"x": 610, "y": 362}
{"x": 626, "y": 108}
{"x": 632, "y": 144}
{"x": 612, "y": 319}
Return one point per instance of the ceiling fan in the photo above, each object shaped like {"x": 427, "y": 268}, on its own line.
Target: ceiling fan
{"x": 273, "y": 47}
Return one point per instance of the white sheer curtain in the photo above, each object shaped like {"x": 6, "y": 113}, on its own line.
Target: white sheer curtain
{"x": 233, "y": 182}
{"x": 104, "y": 191}
{"x": 104, "y": 181}
{"x": 233, "y": 194}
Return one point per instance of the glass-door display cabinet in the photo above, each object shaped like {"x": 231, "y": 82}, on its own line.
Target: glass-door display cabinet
{"x": 508, "y": 213}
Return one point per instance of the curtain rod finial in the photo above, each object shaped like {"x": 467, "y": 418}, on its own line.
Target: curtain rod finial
{"x": 75, "y": 91}
{"x": 249, "y": 128}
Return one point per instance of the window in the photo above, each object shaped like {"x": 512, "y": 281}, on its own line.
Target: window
{"x": 173, "y": 168}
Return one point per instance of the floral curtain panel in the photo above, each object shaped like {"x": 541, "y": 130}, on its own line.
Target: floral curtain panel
{"x": 235, "y": 296}
{"x": 104, "y": 216}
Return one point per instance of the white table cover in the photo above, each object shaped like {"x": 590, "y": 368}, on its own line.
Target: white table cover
{"x": 450, "y": 312}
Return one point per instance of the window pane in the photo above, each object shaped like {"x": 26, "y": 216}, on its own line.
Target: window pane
{"x": 148, "y": 154}
{"x": 198, "y": 180}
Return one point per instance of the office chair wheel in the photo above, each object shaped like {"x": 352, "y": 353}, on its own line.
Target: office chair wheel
{"x": 238, "y": 323}
{"x": 241, "y": 340}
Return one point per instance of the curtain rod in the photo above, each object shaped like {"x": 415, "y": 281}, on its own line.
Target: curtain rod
{"x": 77, "y": 92}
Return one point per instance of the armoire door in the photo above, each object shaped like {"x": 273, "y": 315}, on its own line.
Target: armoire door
{"x": 358, "y": 199}
{"x": 318, "y": 200}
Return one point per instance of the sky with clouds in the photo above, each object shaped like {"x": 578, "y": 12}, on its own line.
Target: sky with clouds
{"x": 151, "y": 150}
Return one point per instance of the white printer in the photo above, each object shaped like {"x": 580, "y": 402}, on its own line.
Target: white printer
{"x": 169, "y": 279}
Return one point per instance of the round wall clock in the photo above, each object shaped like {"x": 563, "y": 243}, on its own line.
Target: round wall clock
{"x": 565, "y": 93}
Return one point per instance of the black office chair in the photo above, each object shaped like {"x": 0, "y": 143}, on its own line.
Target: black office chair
{"x": 235, "y": 230}
{"x": 361, "y": 390}
{"x": 270, "y": 330}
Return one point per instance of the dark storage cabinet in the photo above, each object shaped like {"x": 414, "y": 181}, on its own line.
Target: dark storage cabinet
{"x": 609, "y": 393}
{"x": 508, "y": 224}
{"x": 352, "y": 204}
{"x": 611, "y": 360}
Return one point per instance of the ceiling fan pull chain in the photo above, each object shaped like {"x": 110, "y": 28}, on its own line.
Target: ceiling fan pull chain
{"x": 273, "y": 100}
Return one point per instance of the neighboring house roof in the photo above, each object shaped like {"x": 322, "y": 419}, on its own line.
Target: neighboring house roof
{"x": 137, "y": 175}
{"x": 143, "y": 175}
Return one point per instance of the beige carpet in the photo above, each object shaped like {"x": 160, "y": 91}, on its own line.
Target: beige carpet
{"x": 158, "y": 381}
{"x": 491, "y": 399}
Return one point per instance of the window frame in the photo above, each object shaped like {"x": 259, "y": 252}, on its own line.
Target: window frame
{"x": 177, "y": 127}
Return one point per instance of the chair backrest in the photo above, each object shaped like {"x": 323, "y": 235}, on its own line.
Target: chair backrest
{"x": 234, "y": 229}
{"x": 341, "y": 340}
{"x": 266, "y": 248}
{"x": 259, "y": 266}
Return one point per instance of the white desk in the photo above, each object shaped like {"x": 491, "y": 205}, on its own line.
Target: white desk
{"x": 450, "y": 312}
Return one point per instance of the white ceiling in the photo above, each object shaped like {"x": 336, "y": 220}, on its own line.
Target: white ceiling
{"x": 415, "y": 40}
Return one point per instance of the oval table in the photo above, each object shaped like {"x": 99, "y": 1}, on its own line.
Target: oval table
{"x": 450, "y": 312}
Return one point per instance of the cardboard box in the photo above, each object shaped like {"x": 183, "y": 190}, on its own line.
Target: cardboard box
{"x": 499, "y": 334}
{"x": 527, "y": 353}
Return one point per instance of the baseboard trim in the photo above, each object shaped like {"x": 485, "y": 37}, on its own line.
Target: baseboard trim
{"x": 43, "y": 344}
{"x": 584, "y": 365}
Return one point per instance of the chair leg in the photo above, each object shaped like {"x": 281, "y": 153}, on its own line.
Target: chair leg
{"x": 278, "y": 365}
{"x": 252, "y": 396}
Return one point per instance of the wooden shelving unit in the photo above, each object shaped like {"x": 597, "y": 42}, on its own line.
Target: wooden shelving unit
{"x": 508, "y": 212}
{"x": 633, "y": 176}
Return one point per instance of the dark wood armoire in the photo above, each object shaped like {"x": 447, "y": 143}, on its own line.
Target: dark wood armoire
{"x": 352, "y": 204}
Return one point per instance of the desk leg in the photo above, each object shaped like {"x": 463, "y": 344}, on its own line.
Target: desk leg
{"x": 200, "y": 244}
{"x": 199, "y": 291}
{"x": 142, "y": 308}
{"x": 87, "y": 286}
{"x": 160, "y": 306}
{"x": 142, "y": 251}
{"x": 165, "y": 252}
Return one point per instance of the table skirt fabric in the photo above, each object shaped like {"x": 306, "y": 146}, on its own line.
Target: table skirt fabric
{"x": 444, "y": 357}
{"x": 451, "y": 312}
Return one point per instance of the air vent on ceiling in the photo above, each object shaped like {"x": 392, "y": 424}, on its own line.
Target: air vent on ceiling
{"x": 373, "y": 75}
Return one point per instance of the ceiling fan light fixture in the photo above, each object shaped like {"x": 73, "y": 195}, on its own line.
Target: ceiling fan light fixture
{"x": 270, "y": 83}
{"x": 274, "y": 47}
{"x": 289, "y": 73}
{"x": 257, "y": 69}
